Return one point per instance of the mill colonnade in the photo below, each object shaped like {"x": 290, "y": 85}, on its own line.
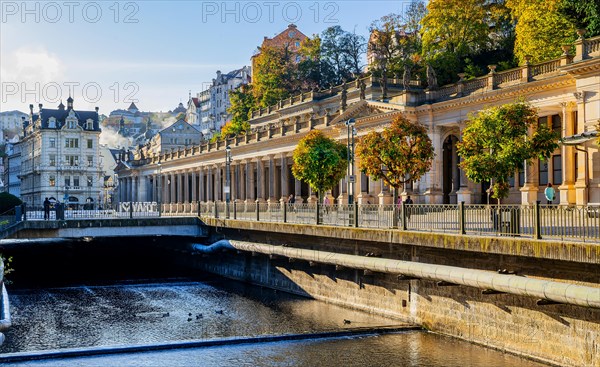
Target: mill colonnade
{"x": 566, "y": 92}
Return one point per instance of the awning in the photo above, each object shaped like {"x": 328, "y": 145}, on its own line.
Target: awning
{"x": 579, "y": 139}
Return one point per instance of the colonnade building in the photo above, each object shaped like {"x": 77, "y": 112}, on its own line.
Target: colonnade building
{"x": 566, "y": 92}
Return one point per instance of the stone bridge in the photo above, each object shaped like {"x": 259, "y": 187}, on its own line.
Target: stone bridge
{"x": 122, "y": 227}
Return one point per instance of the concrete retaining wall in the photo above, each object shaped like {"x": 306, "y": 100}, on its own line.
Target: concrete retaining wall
{"x": 558, "y": 334}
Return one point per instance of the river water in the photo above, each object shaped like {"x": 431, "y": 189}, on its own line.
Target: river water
{"x": 211, "y": 308}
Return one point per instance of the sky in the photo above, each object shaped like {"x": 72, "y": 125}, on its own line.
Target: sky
{"x": 109, "y": 53}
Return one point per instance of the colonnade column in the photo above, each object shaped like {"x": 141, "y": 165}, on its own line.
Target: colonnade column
{"x": 566, "y": 190}
{"x": 172, "y": 197}
{"x": 243, "y": 179}
{"x": 194, "y": 186}
{"x": 272, "y": 179}
{"x": 529, "y": 191}
{"x": 298, "y": 190}
{"x": 209, "y": 184}
{"x": 250, "y": 181}
{"x": 285, "y": 191}
{"x": 260, "y": 180}
{"x": 455, "y": 174}
{"x": 433, "y": 193}
{"x": 218, "y": 183}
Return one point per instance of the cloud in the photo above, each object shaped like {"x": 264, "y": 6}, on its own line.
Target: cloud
{"x": 31, "y": 65}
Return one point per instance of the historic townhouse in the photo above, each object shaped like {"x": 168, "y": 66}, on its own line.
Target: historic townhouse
{"x": 209, "y": 110}
{"x": 60, "y": 157}
{"x": 566, "y": 92}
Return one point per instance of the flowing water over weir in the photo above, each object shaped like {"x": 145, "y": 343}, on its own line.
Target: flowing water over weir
{"x": 198, "y": 320}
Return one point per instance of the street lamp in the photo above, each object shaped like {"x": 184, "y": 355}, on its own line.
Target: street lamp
{"x": 158, "y": 194}
{"x": 351, "y": 179}
{"x": 227, "y": 179}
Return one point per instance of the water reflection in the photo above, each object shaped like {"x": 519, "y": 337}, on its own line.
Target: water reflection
{"x": 414, "y": 349}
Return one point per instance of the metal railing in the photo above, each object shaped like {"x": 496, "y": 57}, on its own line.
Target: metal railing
{"x": 566, "y": 222}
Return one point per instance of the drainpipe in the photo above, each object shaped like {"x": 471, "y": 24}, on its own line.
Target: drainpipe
{"x": 560, "y": 292}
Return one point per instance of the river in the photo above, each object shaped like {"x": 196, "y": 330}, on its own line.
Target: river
{"x": 207, "y": 308}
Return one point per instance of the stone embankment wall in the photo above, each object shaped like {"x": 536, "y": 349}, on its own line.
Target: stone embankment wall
{"x": 558, "y": 334}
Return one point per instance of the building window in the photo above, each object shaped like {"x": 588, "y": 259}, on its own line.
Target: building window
{"x": 72, "y": 160}
{"x": 90, "y": 160}
{"x": 89, "y": 124}
{"x": 52, "y": 159}
{"x": 71, "y": 124}
{"x": 543, "y": 121}
{"x": 71, "y": 143}
{"x": 67, "y": 181}
{"x": 52, "y": 181}
{"x": 76, "y": 181}
{"x": 557, "y": 169}
{"x": 90, "y": 143}
{"x": 90, "y": 181}
{"x": 521, "y": 177}
{"x": 556, "y": 123}
{"x": 543, "y": 172}
{"x": 297, "y": 44}
{"x": 52, "y": 143}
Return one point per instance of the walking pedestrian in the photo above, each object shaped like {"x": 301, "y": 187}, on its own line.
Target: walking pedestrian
{"x": 549, "y": 193}
{"x": 408, "y": 201}
{"x": 46, "y": 209}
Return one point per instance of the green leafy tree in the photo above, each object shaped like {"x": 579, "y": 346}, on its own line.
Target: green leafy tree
{"x": 496, "y": 143}
{"x": 454, "y": 30}
{"x": 311, "y": 73}
{"x": 274, "y": 76}
{"x": 395, "y": 44}
{"x": 242, "y": 103}
{"x": 541, "y": 29}
{"x": 319, "y": 161}
{"x": 401, "y": 153}
{"x": 353, "y": 47}
{"x": 584, "y": 14}
{"x": 8, "y": 202}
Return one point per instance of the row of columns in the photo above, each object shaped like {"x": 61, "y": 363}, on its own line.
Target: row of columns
{"x": 251, "y": 180}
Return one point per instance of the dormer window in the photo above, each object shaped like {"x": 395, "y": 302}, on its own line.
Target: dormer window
{"x": 52, "y": 122}
{"x": 89, "y": 124}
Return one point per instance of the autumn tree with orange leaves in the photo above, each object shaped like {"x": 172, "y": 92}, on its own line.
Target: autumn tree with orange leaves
{"x": 401, "y": 153}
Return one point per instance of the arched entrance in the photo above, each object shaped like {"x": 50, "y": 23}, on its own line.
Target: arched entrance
{"x": 450, "y": 170}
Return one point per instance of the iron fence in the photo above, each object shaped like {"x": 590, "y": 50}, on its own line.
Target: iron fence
{"x": 566, "y": 222}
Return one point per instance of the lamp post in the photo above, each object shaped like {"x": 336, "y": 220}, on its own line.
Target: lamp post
{"x": 351, "y": 179}
{"x": 159, "y": 192}
{"x": 227, "y": 189}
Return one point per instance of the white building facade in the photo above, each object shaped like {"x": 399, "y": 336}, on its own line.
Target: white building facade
{"x": 209, "y": 109}
{"x": 60, "y": 157}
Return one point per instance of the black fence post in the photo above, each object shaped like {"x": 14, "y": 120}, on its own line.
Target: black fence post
{"x": 285, "y": 212}
{"x": 234, "y": 209}
{"x": 216, "y": 209}
{"x": 461, "y": 217}
{"x": 130, "y": 209}
{"x": 257, "y": 212}
{"x": 317, "y": 212}
{"x": 537, "y": 233}
{"x": 198, "y": 208}
{"x": 355, "y": 219}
